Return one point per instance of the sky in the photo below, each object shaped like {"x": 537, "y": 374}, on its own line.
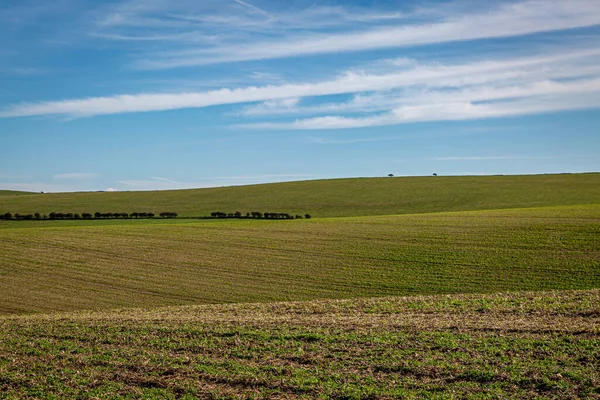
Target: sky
{"x": 161, "y": 94}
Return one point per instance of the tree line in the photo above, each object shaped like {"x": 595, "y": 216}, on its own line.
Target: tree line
{"x": 96, "y": 215}
{"x": 137, "y": 215}
{"x": 257, "y": 215}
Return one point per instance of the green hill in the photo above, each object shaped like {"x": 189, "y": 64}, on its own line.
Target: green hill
{"x": 50, "y": 266}
{"x": 333, "y": 198}
{"x": 14, "y": 193}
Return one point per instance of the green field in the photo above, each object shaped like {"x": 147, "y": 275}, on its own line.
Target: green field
{"x": 504, "y": 272}
{"x": 14, "y": 193}
{"x": 48, "y": 266}
{"x": 335, "y": 197}
{"x": 543, "y": 345}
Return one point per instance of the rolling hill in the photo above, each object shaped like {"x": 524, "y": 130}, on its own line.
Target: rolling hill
{"x": 333, "y": 198}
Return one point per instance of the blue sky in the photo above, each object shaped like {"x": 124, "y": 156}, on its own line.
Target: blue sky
{"x": 158, "y": 94}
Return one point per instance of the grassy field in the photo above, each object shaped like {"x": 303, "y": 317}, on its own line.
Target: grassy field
{"x": 521, "y": 345}
{"x": 335, "y": 197}
{"x": 483, "y": 332}
{"x": 14, "y": 193}
{"x": 50, "y": 266}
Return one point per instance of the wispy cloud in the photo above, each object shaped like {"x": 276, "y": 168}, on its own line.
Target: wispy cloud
{"x": 252, "y": 7}
{"x": 508, "y": 19}
{"x": 476, "y": 81}
{"x": 446, "y": 111}
{"x": 163, "y": 179}
{"x": 270, "y": 107}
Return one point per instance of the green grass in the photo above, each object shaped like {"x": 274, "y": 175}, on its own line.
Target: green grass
{"x": 14, "y": 193}
{"x": 334, "y": 198}
{"x": 520, "y": 345}
{"x": 531, "y": 233}
{"x": 153, "y": 263}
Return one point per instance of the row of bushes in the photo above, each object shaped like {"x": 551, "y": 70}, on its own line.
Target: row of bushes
{"x": 96, "y": 215}
{"x": 165, "y": 214}
{"x": 257, "y": 215}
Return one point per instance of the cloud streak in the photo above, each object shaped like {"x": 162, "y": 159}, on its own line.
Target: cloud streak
{"x": 507, "y": 20}
{"x": 447, "y": 111}
{"x": 415, "y": 93}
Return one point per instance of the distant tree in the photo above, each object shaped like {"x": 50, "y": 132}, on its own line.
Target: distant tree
{"x": 390, "y": 175}
{"x": 8, "y": 215}
{"x": 97, "y": 214}
{"x": 76, "y": 216}
{"x": 52, "y": 215}
{"x": 298, "y": 216}
{"x": 37, "y": 216}
{"x": 434, "y": 174}
{"x": 307, "y": 216}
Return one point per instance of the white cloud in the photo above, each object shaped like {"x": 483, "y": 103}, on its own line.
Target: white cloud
{"x": 76, "y": 176}
{"x": 518, "y": 70}
{"x": 446, "y": 111}
{"x": 253, "y": 7}
{"x": 163, "y": 179}
{"x": 509, "y": 19}
{"x": 272, "y": 107}
{"x": 111, "y": 190}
